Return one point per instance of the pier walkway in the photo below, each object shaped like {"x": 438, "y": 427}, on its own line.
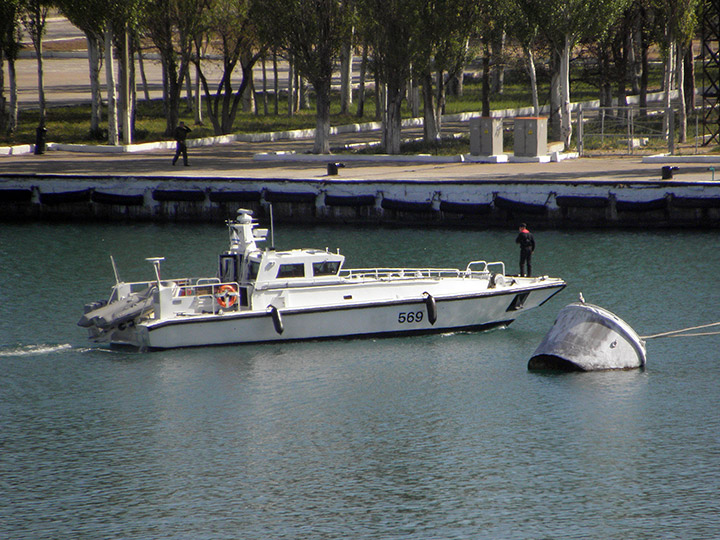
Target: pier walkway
{"x": 593, "y": 192}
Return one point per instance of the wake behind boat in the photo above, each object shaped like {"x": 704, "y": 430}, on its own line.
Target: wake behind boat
{"x": 262, "y": 295}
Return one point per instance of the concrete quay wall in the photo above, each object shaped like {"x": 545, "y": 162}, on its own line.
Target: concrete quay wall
{"x": 466, "y": 203}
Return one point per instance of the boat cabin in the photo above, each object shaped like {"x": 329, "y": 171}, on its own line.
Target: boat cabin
{"x": 249, "y": 266}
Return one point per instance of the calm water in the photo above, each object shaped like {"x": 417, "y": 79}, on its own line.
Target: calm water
{"x": 435, "y": 437}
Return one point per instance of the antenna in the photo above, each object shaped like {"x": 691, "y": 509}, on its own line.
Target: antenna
{"x": 156, "y": 263}
{"x": 117, "y": 277}
{"x": 272, "y": 229}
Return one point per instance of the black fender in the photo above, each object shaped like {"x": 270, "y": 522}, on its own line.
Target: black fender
{"x": 431, "y": 306}
{"x": 277, "y": 319}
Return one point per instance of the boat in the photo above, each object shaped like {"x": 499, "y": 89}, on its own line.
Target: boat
{"x": 586, "y": 337}
{"x": 265, "y": 295}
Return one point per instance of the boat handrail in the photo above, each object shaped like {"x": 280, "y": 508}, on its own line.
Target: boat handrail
{"x": 485, "y": 268}
{"x": 210, "y": 281}
{"x": 393, "y": 274}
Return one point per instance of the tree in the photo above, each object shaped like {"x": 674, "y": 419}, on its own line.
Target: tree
{"x": 563, "y": 23}
{"x": 390, "y": 28}
{"x": 313, "y": 33}
{"x": 10, "y": 35}
{"x": 229, "y": 24}
{"x": 34, "y": 16}
{"x": 491, "y": 29}
{"x": 442, "y": 38}
{"x": 680, "y": 17}
{"x": 172, "y": 26}
{"x": 525, "y": 31}
{"x": 90, "y": 17}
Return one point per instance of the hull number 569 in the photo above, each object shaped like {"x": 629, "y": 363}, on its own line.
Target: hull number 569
{"x": 410, "y": 317}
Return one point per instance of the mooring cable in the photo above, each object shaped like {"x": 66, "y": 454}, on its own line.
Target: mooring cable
{"x": 673, "y": 333}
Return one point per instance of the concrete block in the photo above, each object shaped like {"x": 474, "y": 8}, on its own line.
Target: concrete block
{"x": 530, "y": 136}
{"x": 486, "y": 136}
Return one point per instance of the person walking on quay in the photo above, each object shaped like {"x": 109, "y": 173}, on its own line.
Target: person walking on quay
{"x": 527, "y": 246}
{"x": 180, "y": 135}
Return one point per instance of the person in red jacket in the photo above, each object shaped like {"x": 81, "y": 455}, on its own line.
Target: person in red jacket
{"x": 527, "y": 246}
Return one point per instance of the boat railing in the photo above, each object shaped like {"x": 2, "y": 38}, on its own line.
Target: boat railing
{"x": 210, "y": 292}
{"x": 484, "y": 268}
{"x": 399, "y": 274}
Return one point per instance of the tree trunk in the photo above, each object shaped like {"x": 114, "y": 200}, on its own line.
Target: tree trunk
{"x": 189, "y": 100}
{"x": 566, "y": 131}
{"x": 498, "y": 72}
{"x": 635, "y": 68}
{"x": 141, "y": 63}
{"x": 264, "y": 84}
{"x": 303, "y": 93}
{"x": 413, "y": 97}
{"x": 361, "y": 88}
{"x": 174, "y": 77}
{"x": 645, "y": 63}
{"x": 380, "y": 96}
{"x": 346, "y": 60}
{"x": 604, "y": 63}
{"x": 555, "y": 96}
{"x": 393, "y": 121}
{"x": 667, "y": 83}
{"x": 13, "y": 111}
{"x": 110, "y": 84}
{"x": 689, "y": 78}
{"x": 3, "y": 100}
{"x": 198, "y": 98}
{"x": 248, "y": 96}
{"x": 41, "y": 80}
{"x": 623, "y": 69}
{"x": 276, "y": 84}
{"x": 291, "y": 90}
{"x": 126, "y": 97}
{"x": 430, "y": 129}
{"x": 440, "y": 95}
{"x": 486, "y": 82}
{"x": 93, "y": 45}
{"x": 532, "y": 72}
{"x": 682, "y": 112}
{"x": 322, "y": 126}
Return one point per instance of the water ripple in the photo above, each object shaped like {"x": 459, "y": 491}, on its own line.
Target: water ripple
{"x": 33, "y": 350}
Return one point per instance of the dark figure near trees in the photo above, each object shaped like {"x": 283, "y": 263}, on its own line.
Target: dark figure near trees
{"x": 527, "y": 246}
{"x": 180, "y": 135}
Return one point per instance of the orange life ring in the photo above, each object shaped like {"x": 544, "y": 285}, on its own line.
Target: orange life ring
{"x": 226, "y": 296}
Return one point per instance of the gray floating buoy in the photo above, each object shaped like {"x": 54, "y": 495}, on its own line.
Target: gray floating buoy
{"x": 586, "y": 337}
{"x": 431, "y": 305}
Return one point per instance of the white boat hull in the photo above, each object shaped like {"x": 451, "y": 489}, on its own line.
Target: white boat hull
{"x": 482, "y": 310}
{"x": 265, "y": 295}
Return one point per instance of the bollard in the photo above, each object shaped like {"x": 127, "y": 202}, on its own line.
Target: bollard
{"x": 667, "y": 172}
{"x": 40, "y": 138}
{"x": 332, "y": 168}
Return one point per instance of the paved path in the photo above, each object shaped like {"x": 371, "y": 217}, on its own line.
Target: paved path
{"x": 237, "y": 160}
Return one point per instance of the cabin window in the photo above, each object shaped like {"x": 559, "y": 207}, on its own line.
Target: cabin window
{"x": 291, "y": 270}
{"x": 326, "y": 268}
{"x": 253, "y": 269}
{"x": 230, "y": 265}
